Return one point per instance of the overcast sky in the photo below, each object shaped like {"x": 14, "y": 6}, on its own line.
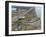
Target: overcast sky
{"x": 38, "y": 11}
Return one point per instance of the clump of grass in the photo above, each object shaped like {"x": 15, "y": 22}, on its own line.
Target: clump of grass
{"x": 25, "y": 26}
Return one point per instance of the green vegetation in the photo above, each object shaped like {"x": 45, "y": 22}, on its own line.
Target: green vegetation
{"x": 25, "y": 26}
{"x": 23, "y": 23}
